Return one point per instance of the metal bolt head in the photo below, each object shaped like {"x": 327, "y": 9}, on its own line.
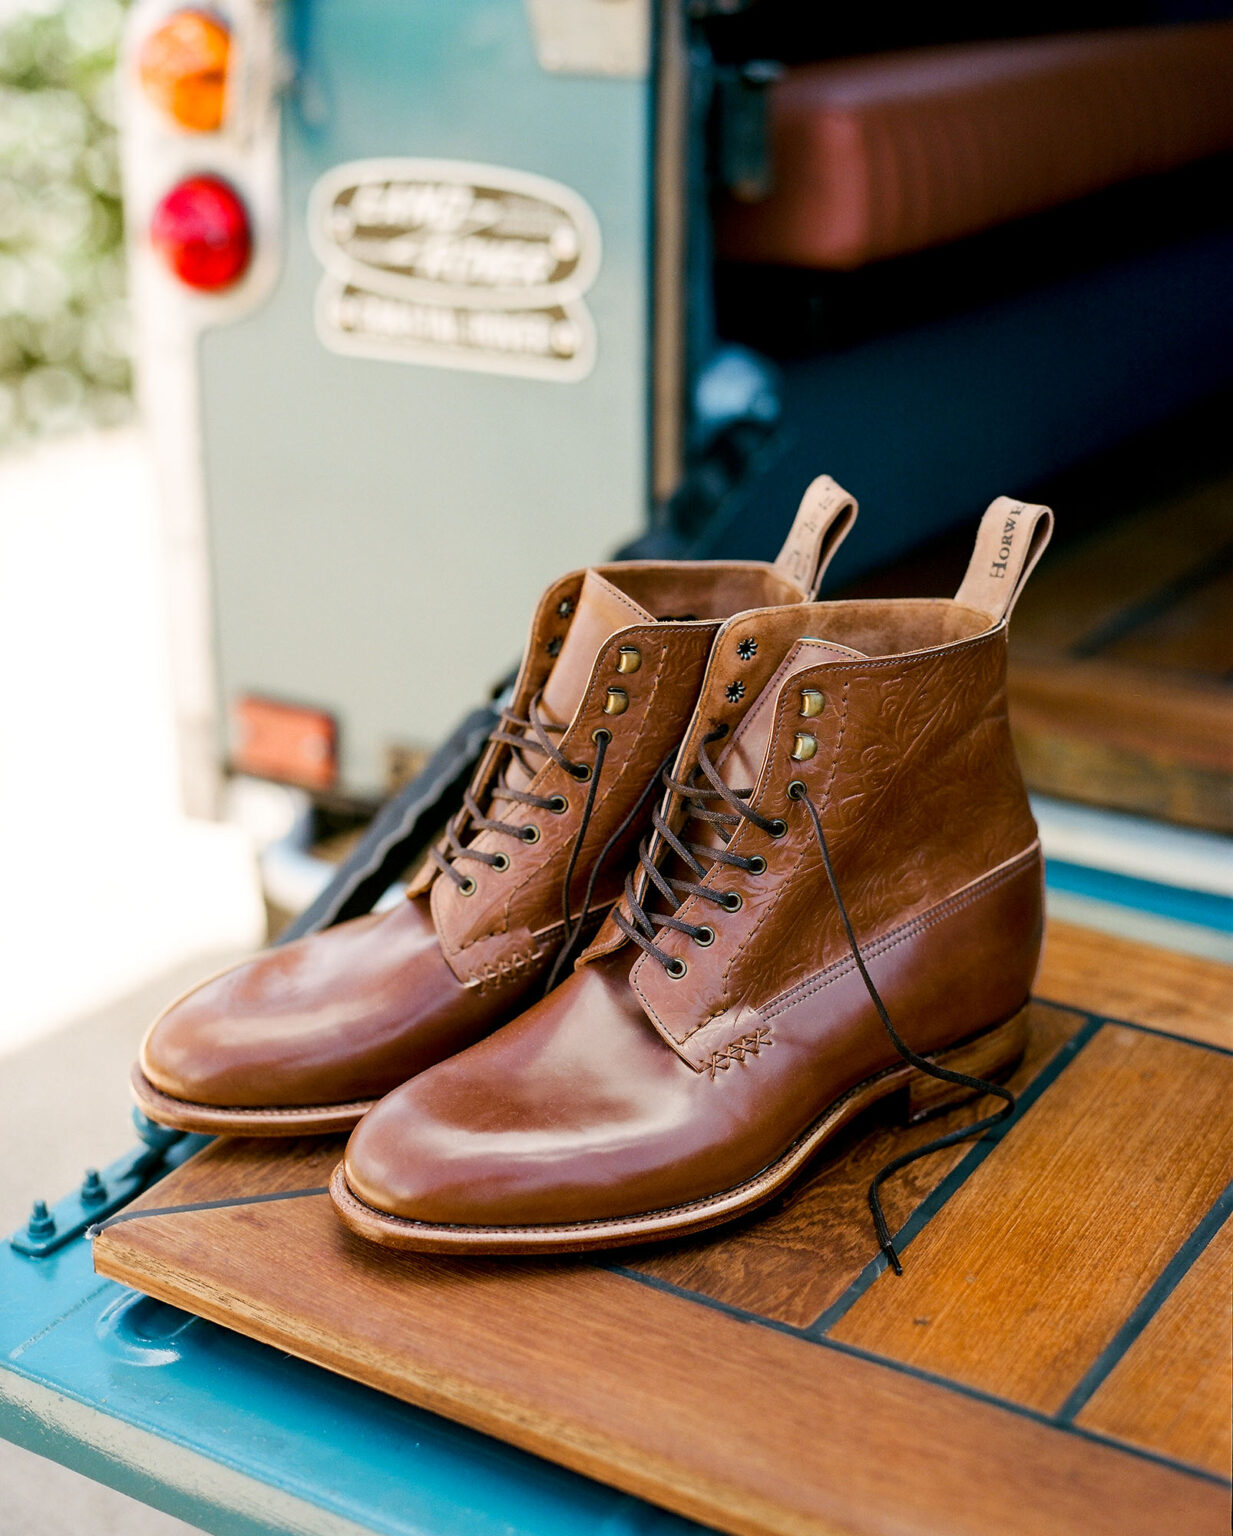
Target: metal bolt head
{"x": 92, "y": 1188}
{"x": 41, "y": 1223}
{"x": 804, "y": 746}
{"x": 616, "y": 702}
{"x": 812, "y": 702}
{"x": 629, "y": 659}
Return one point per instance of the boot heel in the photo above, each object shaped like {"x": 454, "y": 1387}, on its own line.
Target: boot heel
{"x": 993, "y": 1056}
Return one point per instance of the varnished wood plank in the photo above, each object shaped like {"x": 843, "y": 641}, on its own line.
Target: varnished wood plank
{"x": 1156, "y": 717}
{"x": 1192, "y": 635}
{"x": 1183, "y": 994}
{"x": 796, "y": 1259}
{"x": 1125, "y": 736}
{"x": 1080, "y": 588}
{"x": 1032, "y": 1266}
{"x": 736, "y": 1424}
{"x": 739, "y": 1426}
{"x": 1172, "y": 1389}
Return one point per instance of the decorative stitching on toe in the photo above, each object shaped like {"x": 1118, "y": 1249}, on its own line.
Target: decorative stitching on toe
{"x": 737, "y": 1050}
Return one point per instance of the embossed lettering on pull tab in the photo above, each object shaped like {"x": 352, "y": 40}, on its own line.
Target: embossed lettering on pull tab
{"x": 1011, "y": 539}
{"x": 823, "y": 521}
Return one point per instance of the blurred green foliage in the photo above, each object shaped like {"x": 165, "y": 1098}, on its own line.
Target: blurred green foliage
{"x": 64, "y": 352}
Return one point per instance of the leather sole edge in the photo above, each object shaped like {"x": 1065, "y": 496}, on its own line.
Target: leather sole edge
{"x": 269, "y": 1121}
{"x": 991, "y": 1053}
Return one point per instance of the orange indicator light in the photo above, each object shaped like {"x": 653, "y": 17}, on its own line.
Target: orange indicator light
{"x": 182, "y": 65}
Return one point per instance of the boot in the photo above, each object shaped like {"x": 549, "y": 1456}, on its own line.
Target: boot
{"x": 305, "y": 1038}
{"x": 846, "y": 842}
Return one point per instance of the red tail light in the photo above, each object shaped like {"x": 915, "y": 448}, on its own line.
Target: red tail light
{"x": 201, "y": 229}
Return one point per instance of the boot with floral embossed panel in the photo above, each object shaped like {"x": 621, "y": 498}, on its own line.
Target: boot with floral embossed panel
{"x": 306, "y": 1037}
{"x": 841, "y": 901}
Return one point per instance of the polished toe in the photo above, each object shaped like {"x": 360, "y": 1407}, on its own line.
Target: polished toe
{"x": 530, "y": 1126}
{"x": 342, "y": 1016}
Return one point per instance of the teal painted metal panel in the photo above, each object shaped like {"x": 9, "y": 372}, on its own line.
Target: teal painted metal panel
{"x": 245, "y": 1441}
{"x": 379, "y": 530}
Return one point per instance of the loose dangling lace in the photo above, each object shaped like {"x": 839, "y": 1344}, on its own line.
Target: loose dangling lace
{"x": 642, "y": 926}
{"x": 979, "y": 1085}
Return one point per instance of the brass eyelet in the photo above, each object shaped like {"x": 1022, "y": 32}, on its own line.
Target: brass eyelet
{"x": 797, "y": 790}
{"x": 731, "y": 901}
{"x": 601, "y": 733}
{"x": 676, "y": 968}
{"x": 706, "y": 942}
{"x": 757, "y": 865}
{"x": 558, "y": 805}
{"x": 629, "y": 659}
{"x": 777, "y": 827}
{"x": 529, "y": 833}
{"x": 467, "y": 887}
{"x": 581, "y": 772}
{"x": 500, "y": 862}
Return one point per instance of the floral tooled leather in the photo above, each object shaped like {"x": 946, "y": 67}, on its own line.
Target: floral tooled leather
{"x": 917, "y": 785}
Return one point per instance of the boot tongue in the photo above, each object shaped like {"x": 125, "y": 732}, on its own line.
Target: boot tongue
{"x": 602, "y": 609}
{"x": 740, "y": 761}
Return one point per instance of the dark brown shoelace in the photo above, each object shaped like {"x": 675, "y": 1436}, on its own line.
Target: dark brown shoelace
{"x": 641, "y": 926}
{"x": 534, "y": 735}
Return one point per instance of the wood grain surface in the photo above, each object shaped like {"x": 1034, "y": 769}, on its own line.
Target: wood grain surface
{"x": 742, "y": 1427}
{"x": 1126, "y": 736}
{"x": 1172, "y": 1389}
{"x": 802, "y": 1255}
{"x": 1026, "y": 1274}
{"x": 928, "y": 1409}
{"x": 1086, "y": 586}
{"x": 1099, "y": 972}
{"x": 1193, "y": 636}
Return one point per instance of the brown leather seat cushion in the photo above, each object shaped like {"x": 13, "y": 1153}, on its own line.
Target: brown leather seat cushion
{"x": 879, "y": 156}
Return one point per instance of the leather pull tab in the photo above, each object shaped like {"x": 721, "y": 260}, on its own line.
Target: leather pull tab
{"x": 823, "y": 521}
{"x": 1011, "y": 539}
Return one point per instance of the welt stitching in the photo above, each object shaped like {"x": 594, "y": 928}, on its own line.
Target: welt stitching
{"x": 639, "y": 1221}
{"x": 299, "y": 1112}
{"x": 897, "y": 936}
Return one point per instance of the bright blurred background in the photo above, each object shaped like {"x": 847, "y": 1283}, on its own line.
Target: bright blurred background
{"x": 93, "y": 837}
{"x": 64, "y": 340}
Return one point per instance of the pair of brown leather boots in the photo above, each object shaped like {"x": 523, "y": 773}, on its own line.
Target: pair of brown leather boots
{"x": 838, "y": 899}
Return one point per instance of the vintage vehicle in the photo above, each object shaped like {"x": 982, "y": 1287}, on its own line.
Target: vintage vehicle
{"x": 435, "y": 301}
